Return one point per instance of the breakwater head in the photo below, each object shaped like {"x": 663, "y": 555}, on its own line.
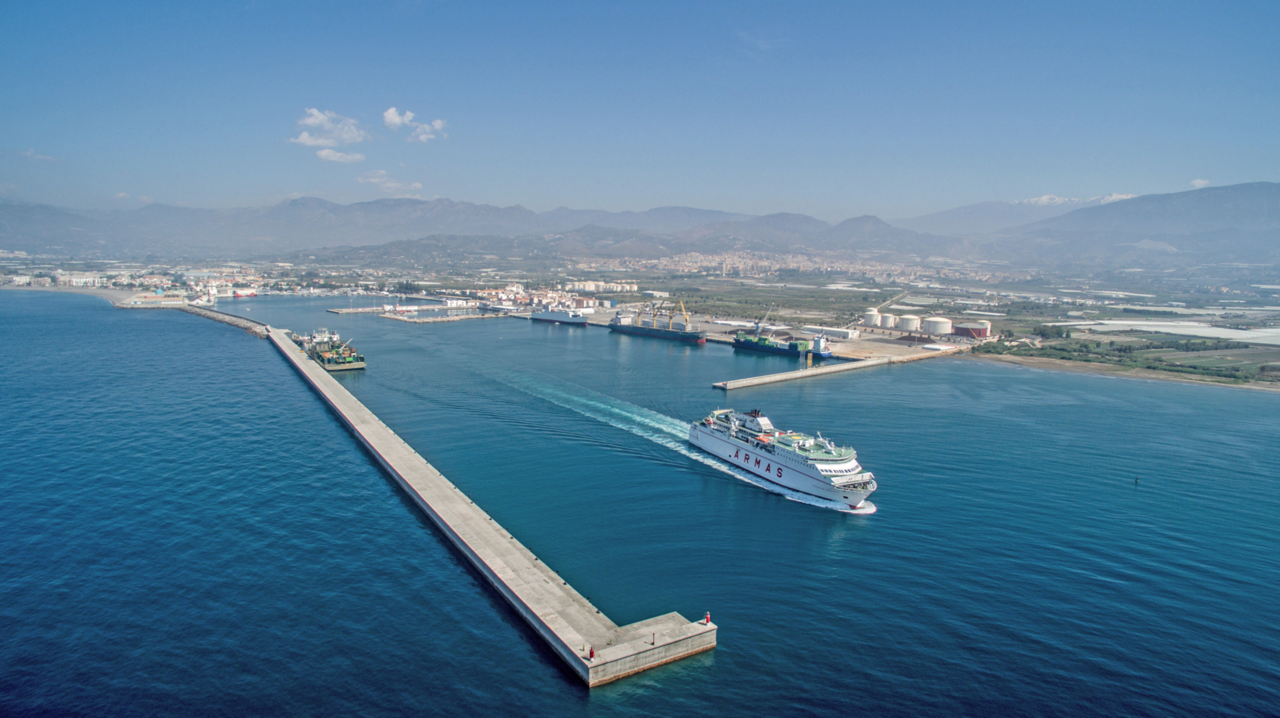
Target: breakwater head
{"x": 594, "y": 648}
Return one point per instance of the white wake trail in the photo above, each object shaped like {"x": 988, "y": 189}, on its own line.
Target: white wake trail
{"x": 663, "y": 430}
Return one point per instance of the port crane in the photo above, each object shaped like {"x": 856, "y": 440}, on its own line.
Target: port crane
{"x": 671, "y": 315}
{"x": 760, "y": 324}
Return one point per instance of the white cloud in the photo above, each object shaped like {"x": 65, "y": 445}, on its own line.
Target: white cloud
{"x": 422, "y": 131}
{"x": 31, "y": 155}
{"x": 395, "y": 120}
{"x": 120, "y": 195}
{"x": 427, "y": 131}
{"x": 388, "y": 184}
{"x": 336, "y": 156}
{"x": 1198, "y": 183}
{"x": 328, "y": 129}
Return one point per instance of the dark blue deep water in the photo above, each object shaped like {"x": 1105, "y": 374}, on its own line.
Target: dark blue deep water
{"x": 185, "y": 530}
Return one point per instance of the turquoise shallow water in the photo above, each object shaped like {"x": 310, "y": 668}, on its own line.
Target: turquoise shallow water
{"x": 185, "y": 530}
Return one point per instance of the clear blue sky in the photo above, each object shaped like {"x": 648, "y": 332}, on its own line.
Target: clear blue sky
{"x": 830, "y": 109}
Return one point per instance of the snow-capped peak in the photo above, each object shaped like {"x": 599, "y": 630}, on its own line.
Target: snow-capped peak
{"x": 1115, "y": 198}
{"x": 1051, "y": 200}
{"x": 1048, "y": 201}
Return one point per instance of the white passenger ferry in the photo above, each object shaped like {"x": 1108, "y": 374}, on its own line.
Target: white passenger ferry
{"x": 807, "y": 464}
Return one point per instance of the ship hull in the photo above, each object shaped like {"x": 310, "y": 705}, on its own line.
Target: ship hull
{"x": 769, "y": 349}
{"x": 765, "y": 348}
{"x": 660, "y": 333}
{"x": 558, "y": 318}
{"x": 343, "y": 367}
{"x": 783, "y": 471}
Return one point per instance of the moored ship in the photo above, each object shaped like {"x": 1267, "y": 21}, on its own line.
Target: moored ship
{"x": 639, "y": 325}
{"x": 556, "y": 315}
{"x": 819, "y": 346}
{"x": 810, "y": 465}
{"x": 329, "y": 351}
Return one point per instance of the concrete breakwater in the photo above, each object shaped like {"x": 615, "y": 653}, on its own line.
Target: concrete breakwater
{"x": 834, "y": 369}
{"x": 596, "y": 649}
{"x": 257, "y": 329}
{"x": 439, "y": 320}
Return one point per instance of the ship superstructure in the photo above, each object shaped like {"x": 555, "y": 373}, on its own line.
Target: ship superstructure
{"x": 329, "y": 351}
{"x": 658, "y": 324}
{"x": 560, "y": 315}
{"x": 810, "y": 465}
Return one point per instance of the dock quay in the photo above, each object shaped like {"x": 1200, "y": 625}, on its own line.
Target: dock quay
{"x": 832, "y": 369}
{"x": 597, "y": 650}
{"x": 357, "y": 310}
{"x": 438, "y": 320}
{"x": 383, "y": 309}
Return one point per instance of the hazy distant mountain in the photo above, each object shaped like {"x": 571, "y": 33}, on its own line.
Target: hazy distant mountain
{"x": 1253, "y": 207}
{"x": 39, "y": 228}
{"x": 1237, "y": 223}
{"x": 784, "y": 233}
{"x": 989, "y": 217}
{"x": 661, "y": 220}
{"x": 307, "y": 222}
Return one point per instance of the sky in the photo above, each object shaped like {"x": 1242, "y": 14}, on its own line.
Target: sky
{"x": 829, "y": 109}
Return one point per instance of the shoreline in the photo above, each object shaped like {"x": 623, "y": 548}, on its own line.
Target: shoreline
{"x": 1079, "y": 367}
{"x": 115, "y": 296}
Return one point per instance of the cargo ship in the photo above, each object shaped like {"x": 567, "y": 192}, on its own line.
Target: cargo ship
{"x": 329, "y": 351}
{"x": 810, "y": 465}
{"x": 637, "y": 324}
{"x": 818, "y": 346}
{"x": 560, "y": 316}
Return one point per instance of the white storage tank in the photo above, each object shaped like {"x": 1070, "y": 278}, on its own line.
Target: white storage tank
{"x": 888, "y": 321}
{"x": 909, "y": 323}
{"x": 937, "y": 325}
{"x": 872, "y": 317}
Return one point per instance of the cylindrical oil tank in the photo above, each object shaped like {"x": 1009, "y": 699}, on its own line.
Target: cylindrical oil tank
{"x": 937, "y": 325}
{"x": 872, "y": 317}
{"x": 909, "y": 323}
{"x": 986, "y": 324}
{"x": 889, "y": 321}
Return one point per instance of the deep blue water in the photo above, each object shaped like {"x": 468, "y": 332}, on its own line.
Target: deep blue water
{"x": 185, "y": 530}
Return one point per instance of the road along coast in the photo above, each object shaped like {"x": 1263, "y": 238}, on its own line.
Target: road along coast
{"x": 596, "y": 649}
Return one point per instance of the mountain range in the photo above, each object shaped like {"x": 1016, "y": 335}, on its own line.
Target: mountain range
{"x": 1238, "y": 223}
{"x": 988, "y": 217}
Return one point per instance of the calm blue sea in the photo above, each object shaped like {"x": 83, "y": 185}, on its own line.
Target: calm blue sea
{"x": 186, "y": 531}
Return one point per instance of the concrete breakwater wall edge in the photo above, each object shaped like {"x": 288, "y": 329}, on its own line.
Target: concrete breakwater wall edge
{"x": 593, "y": 647}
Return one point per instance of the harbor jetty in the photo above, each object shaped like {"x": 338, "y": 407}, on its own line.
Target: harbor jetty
{"x": 594, "y": 648}
{"x": 438, "y": 320}
{"x": 258, "y": 329}
{"x": 358, "y": 310}
{"x": 941, "y": 350}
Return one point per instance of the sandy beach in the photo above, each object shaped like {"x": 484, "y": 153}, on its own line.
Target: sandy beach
{"x": 1081, "y": 367}
{"x": 115, "y": 296}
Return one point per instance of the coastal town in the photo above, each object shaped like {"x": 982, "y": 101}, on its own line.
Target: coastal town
{"x": 1123, "y": 323}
